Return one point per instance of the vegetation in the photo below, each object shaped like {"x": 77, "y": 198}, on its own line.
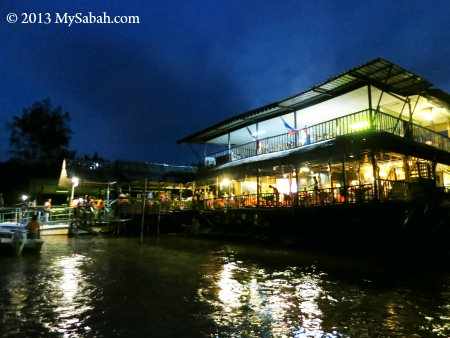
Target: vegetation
{"x": 39, "y": 141}
{"x": 41, "y": 135}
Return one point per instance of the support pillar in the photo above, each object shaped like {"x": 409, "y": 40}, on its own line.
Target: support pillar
{"x": 344, "y": 179}
{"x": 375, "y": 175}
{"x": 258, "y": 187}
{"x": 369, "y": 94}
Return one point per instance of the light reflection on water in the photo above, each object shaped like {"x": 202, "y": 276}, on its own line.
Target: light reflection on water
{"x": 252, "y": 302}
{"x": 178, "y": 287}
{"x": 71, "y": 294}
{"x": 52, "y": 300}
{"x": 251, "y": 299}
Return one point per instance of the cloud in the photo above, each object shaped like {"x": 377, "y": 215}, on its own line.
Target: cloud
{"x": 134, "y": 90}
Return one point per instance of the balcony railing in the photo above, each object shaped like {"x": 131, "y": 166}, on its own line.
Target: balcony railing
{"x": 349, "y": 124}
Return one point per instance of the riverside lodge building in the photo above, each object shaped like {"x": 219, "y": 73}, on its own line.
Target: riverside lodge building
{"x": 371, "y": 133}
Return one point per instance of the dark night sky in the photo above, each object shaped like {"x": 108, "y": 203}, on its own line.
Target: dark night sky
{"x": 133, "y": 89}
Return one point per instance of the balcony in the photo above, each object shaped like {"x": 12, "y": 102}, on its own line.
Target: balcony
{"x": 350, "y": 124}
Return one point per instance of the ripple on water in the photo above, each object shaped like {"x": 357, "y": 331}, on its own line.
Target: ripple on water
{"x": 97, "y": 287}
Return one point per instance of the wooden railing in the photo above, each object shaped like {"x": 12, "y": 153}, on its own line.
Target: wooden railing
{"x": 388, "y": 190}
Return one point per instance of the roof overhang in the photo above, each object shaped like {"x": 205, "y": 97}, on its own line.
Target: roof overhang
{"x": 379, "y": 73}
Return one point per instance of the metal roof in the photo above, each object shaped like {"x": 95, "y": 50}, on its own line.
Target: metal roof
{"x": 127, "y": 171}
{"x": 379, "y": 73}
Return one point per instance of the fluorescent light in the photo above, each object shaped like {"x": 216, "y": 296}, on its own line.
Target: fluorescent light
{"x": 225, "y": 182}
{"x": 259, "y": 132}
{"x": 359, "y": 125}
{"x": 304, "y": 169}
{"x": 428, "y": 115}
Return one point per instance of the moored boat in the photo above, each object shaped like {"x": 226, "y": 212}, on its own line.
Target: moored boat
{"x": 58, "y": 223}
{"x": 13, "y": 239}
{"x": 63, "y": 220}
{"x": 52, "y": 228}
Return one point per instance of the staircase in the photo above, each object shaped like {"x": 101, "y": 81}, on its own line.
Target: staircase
{"x": 421, "y": 170}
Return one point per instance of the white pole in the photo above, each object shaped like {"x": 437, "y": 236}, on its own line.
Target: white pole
{"x": 107, "y": 196}
{"x": 144, "y": 199}
{"x": 75, "y": 182}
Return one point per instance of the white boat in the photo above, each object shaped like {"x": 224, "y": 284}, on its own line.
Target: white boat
{"x": 55, "y": 228}
{"x": 58, "y": 224}
{"x": 63, "y": 221}
{"x": 13, "y": 238}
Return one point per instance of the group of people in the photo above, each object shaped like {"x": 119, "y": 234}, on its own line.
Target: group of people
{"x": 87, "y": 207}
{"x": 87, "y": 201}
{"x": 207, "y": 198}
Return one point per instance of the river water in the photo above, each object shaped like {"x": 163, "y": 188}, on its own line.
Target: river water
{"x": 182, "y": 287}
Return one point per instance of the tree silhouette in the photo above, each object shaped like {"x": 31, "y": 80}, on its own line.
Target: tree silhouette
{"x": 41, "y": 135}
{"x": 94, "y": 157}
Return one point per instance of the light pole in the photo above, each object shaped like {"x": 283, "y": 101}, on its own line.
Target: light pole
{"x": 107, "y": 193}
{"x": 75, "y": 182}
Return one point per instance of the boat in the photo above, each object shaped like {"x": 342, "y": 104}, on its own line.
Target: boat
{"x": 94, "y": 227}
{"x": 86, "y": 221}
{"x": 52, "y": 228}
{"x": 63, "y": 220}
{"x": 58, "y": 224}
{"x": 13, "y": 239}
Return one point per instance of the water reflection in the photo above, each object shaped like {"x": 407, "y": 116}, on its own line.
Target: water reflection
{"x": 253, "y": 298}
{"x": 254, "y": 302}
{"x": 442, "y": 327}
{"x": 69, "y": 295}
{"x": 172, "y": 287}
{"x": 51, "y": 297}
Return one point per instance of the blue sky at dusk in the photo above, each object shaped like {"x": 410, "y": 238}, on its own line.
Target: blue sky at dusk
{"x": 132, "y": 90}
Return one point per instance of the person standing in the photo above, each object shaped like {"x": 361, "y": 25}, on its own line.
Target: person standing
{"x": 316, "y": 184}
{"x": 316, "y": 190}
{"x": 150, "y": 199}
{"x": 2, "y": 201}
{"x": 277, "y": 195}
{"x": 47, "y": 207}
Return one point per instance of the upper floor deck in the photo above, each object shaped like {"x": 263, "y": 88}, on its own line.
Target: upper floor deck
{"x": 365, "y": 120}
